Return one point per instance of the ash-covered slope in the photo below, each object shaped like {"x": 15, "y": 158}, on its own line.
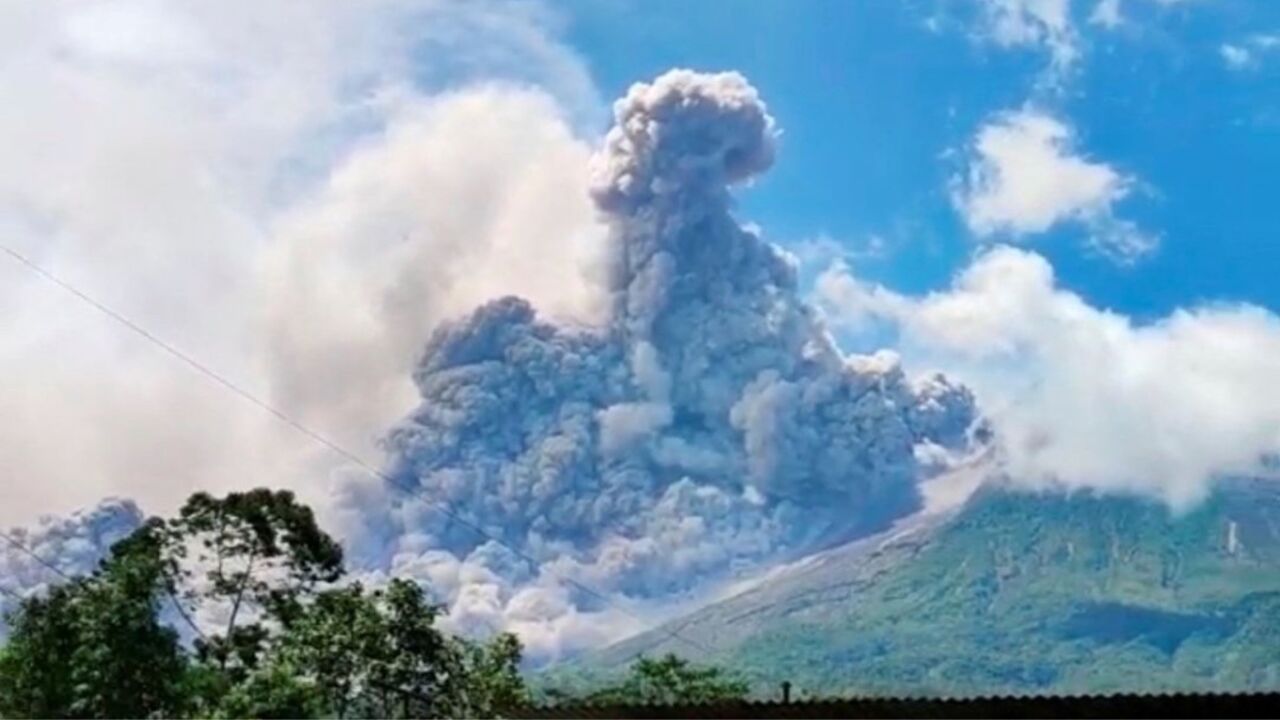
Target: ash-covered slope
{"x": 1015, "y": 593}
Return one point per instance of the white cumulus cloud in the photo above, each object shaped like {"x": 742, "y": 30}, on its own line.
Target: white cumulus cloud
{"x": 1035, "y": 23}
{"x": 1025, "y": 176}
{"x": 1083, "y": 397}
{"x": 285, "y": 191}
{"x": 1248, "y": 53}
{"x": 1107, "y": 14}
{"x": 1235, "y": 56}
{"x": 463, "y": 197}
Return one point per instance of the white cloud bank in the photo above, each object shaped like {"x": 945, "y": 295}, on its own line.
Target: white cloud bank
{"x": 270, "y": 187}
{"x": 462, "y": 198}
{"x": 1025, "y": 176}
{"x": 1085, "y": 398}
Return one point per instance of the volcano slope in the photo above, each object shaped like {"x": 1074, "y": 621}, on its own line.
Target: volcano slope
{"x": 1012, "y": 593}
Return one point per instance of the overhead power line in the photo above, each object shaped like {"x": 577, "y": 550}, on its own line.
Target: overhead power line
{"x": 63, "y": 574}
{"x": 9, "y": 593}
{"x": 285, "y": 418}
{"x": 33, "y": 555}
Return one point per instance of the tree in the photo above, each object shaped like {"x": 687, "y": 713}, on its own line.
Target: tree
{"x": 36, "y": 678}
{"x": 379, "y": 654}
{"x": 276, "y": 691}
{"x": 492, "y": 683}
{"x": 293, "y": 643}
{"x": 253, "y": 553}
{"x": 94, "y": 647}
{"x": 671, "y": 680}
{"x": 339, "y": 643}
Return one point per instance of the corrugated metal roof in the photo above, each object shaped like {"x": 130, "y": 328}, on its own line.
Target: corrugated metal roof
{"x": 1175, "y": 705}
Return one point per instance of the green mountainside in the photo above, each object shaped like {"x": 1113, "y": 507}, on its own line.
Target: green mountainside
{"x": 1016, "y": 593}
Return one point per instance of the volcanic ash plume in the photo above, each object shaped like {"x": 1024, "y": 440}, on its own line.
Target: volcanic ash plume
{"x": 74, "y": 545}
{"x": 708, "y": 425}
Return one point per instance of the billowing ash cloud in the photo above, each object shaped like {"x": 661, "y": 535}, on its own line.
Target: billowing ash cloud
{"x": 708, "y": 424}
{"x": 73, "y": 544}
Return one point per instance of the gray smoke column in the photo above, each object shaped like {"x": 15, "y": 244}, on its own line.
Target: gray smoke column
{"x": 708, "y": 426}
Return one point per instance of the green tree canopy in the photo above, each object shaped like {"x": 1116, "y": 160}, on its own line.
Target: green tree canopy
{"x": 297, "y": 642}
{"x": 256, "y": 554}
{"x": 671, "y": 680}
{"x": 94, "y": 647}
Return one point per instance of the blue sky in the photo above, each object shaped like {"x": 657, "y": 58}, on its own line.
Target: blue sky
{"x": 878, "y": 101}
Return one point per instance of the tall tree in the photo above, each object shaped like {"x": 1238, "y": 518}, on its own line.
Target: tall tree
{"x": 380, "y": 654}
{"x": 253, "y": 555}
{"x": 671, "y": 680}
{"x": 491, "y": 679}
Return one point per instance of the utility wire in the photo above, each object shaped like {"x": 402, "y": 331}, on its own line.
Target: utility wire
{"x": 31, "y": 553}
{"x": 58, "y": 571}
{"x": 333, "y": 446}
{"x": 9, "y": 593}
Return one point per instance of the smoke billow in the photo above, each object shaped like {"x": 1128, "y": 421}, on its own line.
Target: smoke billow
{"x": 706, "y": 425}
{"x": 709, "y": 424}
{"x": 73, "y": 544}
